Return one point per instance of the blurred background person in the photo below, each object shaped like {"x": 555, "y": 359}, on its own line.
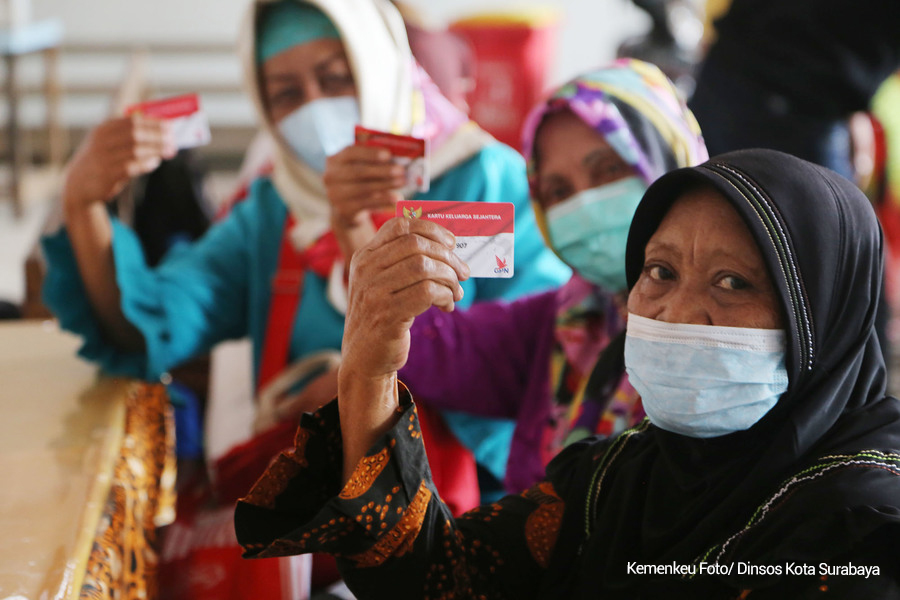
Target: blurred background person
{"x": 789, "y": 76}
{"x": 673, "y": 42}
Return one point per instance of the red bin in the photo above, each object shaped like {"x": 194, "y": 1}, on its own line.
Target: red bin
{"x": 513, "y": 54}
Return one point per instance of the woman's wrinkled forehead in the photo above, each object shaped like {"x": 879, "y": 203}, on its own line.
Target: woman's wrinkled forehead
{"x": 707, "y": 209}
{"x": 704, "y": 266}
{"x": 658, "y": 203}
{"x": 707, "y": 212}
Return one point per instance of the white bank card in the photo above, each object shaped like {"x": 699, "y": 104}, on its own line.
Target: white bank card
{"x": 485, "y": 235}
{"x": 190, "y": 126}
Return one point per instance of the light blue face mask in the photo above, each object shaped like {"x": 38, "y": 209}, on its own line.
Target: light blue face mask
{"x": 321, "y": 128}
{"x": 589, "y": 230}
{"x": 704, "y": 381}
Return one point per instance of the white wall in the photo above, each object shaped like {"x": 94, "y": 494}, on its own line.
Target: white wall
{"x": 589, "y": 33}
{"x": 590, "y": 30}
{"x": 144, "y": 20}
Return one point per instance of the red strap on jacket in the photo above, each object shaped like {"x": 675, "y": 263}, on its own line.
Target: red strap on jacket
{"x": 453, "y": 466}
{"x": 287, "y": 290}
{"x": 287, "y": 287}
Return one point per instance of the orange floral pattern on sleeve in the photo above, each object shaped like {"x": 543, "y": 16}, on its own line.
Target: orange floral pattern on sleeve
{"x": 367, "y": 471}
{"x": 542, "y": 526}
{"x": 400, "y": 539}
{"x": 272, "y": 482}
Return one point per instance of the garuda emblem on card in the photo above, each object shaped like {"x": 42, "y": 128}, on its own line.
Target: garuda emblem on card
{"x": 412, "y": 213}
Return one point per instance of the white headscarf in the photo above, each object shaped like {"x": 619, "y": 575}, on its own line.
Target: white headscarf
{"x": 385, "y": 74}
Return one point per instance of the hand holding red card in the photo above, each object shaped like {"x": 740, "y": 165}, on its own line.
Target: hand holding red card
{"x": 485, "y": 236}
{"x": 408, "y": 151}
{"x": 190, "y": 126}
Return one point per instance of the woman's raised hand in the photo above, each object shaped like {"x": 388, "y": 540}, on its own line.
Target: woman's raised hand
{"x": 408, "y": 267}
{"x": 114, "y": 152}
{"x": 111, "y": 154}
{"x": 358, "y": 180}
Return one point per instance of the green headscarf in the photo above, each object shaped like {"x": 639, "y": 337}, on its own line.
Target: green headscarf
{"x": 288, "y": 23}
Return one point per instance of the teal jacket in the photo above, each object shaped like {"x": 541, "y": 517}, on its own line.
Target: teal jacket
{"x": 218, "y": 288}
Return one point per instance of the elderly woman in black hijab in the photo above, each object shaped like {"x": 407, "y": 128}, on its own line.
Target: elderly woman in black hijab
{"x": 769, "y": 466}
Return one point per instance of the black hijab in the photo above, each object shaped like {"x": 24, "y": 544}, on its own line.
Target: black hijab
{"x": 672, "y": 497}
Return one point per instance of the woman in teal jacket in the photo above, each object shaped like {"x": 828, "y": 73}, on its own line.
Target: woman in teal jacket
{"x": 314, "y": 71}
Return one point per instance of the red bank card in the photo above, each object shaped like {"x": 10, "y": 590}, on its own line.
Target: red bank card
{"x": 411, "y": 152}
{"x": 190, "y": 125}
{"x": 485, "y": 236}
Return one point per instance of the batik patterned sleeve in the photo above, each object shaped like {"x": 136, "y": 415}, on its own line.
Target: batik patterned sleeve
{"x": 388, "y": 527}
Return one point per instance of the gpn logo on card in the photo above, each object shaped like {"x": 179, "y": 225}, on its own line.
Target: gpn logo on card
{"x": 501, "y": 265}
{"x": 412, "y": 213}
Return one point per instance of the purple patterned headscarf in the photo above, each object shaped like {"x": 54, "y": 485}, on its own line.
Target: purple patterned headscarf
{"x": 637, "y": 110}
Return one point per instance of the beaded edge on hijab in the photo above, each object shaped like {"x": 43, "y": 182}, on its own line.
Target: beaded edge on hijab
{"x": 771, "y": 219}
{"x": 887, "y": 461}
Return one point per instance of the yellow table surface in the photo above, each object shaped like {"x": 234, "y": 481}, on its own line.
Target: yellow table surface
{"x": 60, "y": 432}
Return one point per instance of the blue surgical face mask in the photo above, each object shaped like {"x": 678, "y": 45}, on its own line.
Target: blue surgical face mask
{"x": 589, "y": 230}
{"x": 321, "y": 128}
{"x": 704, "y": 381}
